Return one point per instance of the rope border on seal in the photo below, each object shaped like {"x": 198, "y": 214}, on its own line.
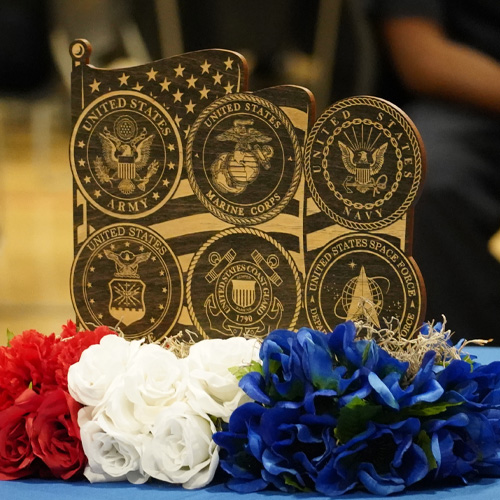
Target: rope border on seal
{"x": 415, "y": 144}
{"x": 277, "y": 209}
{"x": 242, "y": 230}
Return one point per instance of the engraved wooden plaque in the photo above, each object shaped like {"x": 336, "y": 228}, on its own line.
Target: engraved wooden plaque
{"x": 364, "y": 166}
{"x": 188, "y": 197}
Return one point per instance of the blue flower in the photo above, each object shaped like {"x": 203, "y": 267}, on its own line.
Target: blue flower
{"x": 384, "y": 459}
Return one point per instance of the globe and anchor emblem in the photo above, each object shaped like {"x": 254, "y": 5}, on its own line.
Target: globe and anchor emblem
{"x": 233, "y": 172}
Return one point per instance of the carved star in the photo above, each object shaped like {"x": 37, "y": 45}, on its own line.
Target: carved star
{"x": 100, "y": 316}
{"x": 190, "y": 107}
{"x": 171, "y": 165}
{"x": 81, "y": 144}
{"x": 127, "y": 244}
{"x": 89, "y": 285}
{"x": 141, "y": 248}
{"x": 192, "y": 82}
{"x": 352, "y": 264}
{"x": 179, "y": 70}
{"x": 92, "y": 269}
{"x": 178, "y": 96}
{"x": 177, "y": 120}
{"x": 92, "y": 301}
{"x": 166, "y": 182}
{"x": 152, "y": 320}
{"x": 100, "y": 256}
{"x": 229, "y": 63}
{"x": 165, "y": 84}
{"x": 94, "y": 86}
{"x": 81, "y": 163}
{"x": 153, "y": 258}
{"x": 137, "y": 87}
{"x": 204, "y": 92}
{"x": 229, "y": 88}
{"x": 156, "y": 195}
{"x": 164, "y": 290}
{"x": 171, "y": 147}
{"x": 152, "y": 74}
{"x": 86, "y": 179}
{"x": 217, "y": 78}
{"x": 97, "y": 193}
{"x": 162, "y": 273}
{"x": 161, "y": 307}
{"x": 123, "y": 79}
{"x": 205, "y": 67}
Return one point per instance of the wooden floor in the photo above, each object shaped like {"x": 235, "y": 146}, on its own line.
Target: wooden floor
{"x": 36, "y": 245}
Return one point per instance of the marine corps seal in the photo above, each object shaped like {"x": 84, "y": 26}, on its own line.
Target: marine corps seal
{"x": 243, "y": 282}
{"x": 243, "y": 159}
{"x": 364, "y": 163}
{"x": 127, "y": 275}
{"x": 126, "y": 155}
{"x": 363, "y": 277}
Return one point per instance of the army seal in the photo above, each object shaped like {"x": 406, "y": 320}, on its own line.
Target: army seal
{"x": 126, "y": 155}
{"x": 243, "y": 159}
{"x": 243, "y": 282}
{"x": 364, "y": 163}
{"x": 126, "y": 275}
{"x": 363, "y": 277}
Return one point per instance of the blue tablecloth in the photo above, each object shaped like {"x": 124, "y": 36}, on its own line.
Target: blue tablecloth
{"x": 36, "y": 489}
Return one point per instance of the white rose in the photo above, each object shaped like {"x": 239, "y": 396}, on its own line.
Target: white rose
{"x": 155, "y": 379}
{"x": 111, "y": 456}
{"x": 181, "y": 449}
{"x": 99, "y": 365}
{"x": 212, "y": 388}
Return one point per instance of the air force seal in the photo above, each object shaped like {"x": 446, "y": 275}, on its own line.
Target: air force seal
{"x": 242, "y": 282}
{"x": 126, "y": 155}
{"x": 127, "y": 275}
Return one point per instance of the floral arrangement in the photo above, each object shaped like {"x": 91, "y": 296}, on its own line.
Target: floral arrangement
{"x": 306, "y": 411}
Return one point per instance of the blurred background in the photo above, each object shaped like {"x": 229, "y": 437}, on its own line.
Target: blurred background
{"x": 332, "y": 47}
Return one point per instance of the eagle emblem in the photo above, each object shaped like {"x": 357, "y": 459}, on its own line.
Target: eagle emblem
{"x": 126, "y": 152}
{"x": 364, "y": 163}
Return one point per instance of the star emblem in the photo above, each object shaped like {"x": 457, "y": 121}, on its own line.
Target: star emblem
{"x": 152, "y": 74}
{"x": 205, "y": 67}
{"x": 81, "y": 144}
{"x": 229, "y": 63}
{"x": 179, "y": 70}
{"x": 94, "y": 86}
{"x": 97, "y": 193}
{"x": 190, "y": 107}
{"x": 165, "y": 84}
{"x": 192, "y": 82}
{"x": 171, "y": 165}
{"x": 352, "y": 264}
{"x": 86, "y": 179}
{"x": 81, "y": 163}
{"x": 166, "y": 182}
{"x": 204, "y": 92}
{"x": 156, "y": 196}
{"x": 171, "y": 147}
{"x": 178, "y": 96}
{"x": 228, "y": 88}
{"x": 217, "y": 78}
{"x": 123, "y": 79}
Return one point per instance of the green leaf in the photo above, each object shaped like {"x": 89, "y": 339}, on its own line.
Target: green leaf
{"x": 10, "y": 336}
{"x": 240, "y": 371}
{"x": 290, "y": 481}
{"x": 428, "y": 409}
{"x": 424, "y": 441}
{"x": 354, "y": 417}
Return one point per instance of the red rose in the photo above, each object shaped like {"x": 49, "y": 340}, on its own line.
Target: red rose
{"x": 69, "y": 351}
{"x": 16, "y": 454}
{"x": 13, "y": 378}
{"x": 55, "y": 435}
{"x": 31, "y": 351}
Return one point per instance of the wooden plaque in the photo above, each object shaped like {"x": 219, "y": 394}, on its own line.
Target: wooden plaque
{"x": 364, "y": 166}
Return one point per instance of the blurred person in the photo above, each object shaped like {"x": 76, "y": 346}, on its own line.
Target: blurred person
{"x": 447, "y": 56}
